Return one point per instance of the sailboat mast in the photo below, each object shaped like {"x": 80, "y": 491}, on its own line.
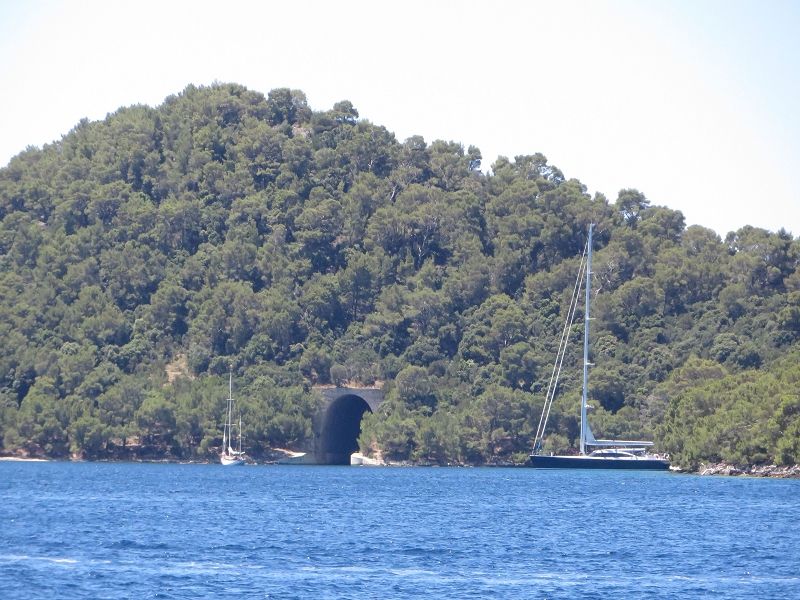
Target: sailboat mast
{"x": 230, "y": 412}
{"x": 584, "y": 396}
{"x": 226, "y": 427}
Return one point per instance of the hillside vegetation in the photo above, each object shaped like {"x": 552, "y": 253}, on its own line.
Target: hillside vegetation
{"x": 229, "y": 230}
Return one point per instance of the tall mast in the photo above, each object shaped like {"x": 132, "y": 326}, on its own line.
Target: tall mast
{"x": 585, "y": 394}
{"x": 230, "y": 410}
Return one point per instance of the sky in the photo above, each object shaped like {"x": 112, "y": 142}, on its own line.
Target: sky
{"x": 694, "y": 103}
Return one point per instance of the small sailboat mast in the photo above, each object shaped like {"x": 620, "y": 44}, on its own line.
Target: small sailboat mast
{"x": 586, "y": 365}
{"x": 230, "y": 412}
{"x": 224, "y": 436}
{"x": 226, "y": 426}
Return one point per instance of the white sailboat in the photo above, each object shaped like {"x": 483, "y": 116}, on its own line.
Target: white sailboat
{"x": 229, "y": 456}
{"x": 610, "y": 454}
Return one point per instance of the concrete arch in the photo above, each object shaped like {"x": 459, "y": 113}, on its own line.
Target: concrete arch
{"x": 341, "y": 426}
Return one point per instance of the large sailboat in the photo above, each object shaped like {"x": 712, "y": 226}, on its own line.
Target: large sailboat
{"x": 594, "y": 453}
{"x": 229, "y": 456}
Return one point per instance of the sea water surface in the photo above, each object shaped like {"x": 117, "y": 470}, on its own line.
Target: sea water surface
{"x": 104, "y": 530}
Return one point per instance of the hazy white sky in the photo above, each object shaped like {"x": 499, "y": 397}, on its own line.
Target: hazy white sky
{"x": 695, "y": 103}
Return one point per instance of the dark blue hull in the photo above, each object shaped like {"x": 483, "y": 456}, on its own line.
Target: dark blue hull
{"x": 594, "y": 462}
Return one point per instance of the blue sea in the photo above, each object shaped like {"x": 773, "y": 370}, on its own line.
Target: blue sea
{"x": 110, "y": 530}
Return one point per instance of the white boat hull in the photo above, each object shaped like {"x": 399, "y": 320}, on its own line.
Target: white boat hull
{"x": 231, "y": 461}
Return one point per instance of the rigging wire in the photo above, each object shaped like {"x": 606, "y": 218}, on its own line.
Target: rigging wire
{"x": 562, "y": 349}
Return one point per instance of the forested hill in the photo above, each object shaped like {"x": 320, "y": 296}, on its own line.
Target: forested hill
{"x": 145, "y": 254}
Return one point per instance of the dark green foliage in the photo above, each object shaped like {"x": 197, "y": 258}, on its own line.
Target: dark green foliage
{"x": 225, "y": 229}
{"x": 746, "y": 417}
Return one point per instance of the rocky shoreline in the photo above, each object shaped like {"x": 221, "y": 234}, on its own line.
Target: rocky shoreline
{"x": 782, "y": 472}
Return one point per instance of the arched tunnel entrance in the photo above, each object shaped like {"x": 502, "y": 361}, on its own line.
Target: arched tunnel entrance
{"x": 341, "y": 426}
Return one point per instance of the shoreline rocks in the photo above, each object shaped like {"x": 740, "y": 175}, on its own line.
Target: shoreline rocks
{"x": 782, "y": 472}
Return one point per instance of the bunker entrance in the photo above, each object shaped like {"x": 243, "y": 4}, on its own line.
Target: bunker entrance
{"x": 340, "y": 429}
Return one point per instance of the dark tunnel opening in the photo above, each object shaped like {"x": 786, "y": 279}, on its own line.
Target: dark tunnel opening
{"x": 340, "y": 430}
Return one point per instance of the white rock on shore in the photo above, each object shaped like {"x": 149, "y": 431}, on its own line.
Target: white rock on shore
{"x": 792, "y": 471}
